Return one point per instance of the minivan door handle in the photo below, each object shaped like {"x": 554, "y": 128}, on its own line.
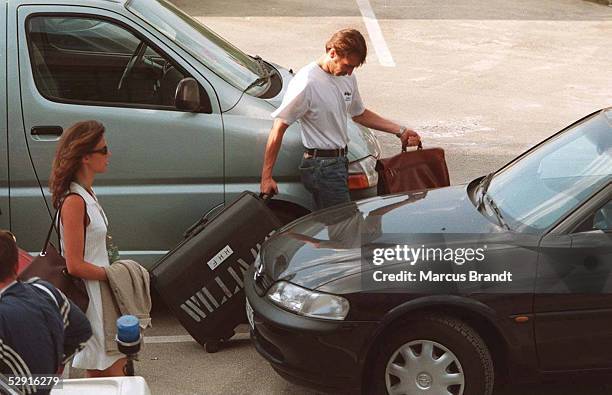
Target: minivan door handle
{"x": 46, "y": 131}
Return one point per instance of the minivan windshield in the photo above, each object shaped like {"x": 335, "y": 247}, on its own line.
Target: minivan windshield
{"x": 221, "y": 57}
{"x": 536, "y": 191}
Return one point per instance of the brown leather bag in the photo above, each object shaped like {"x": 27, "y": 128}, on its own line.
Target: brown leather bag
{"x": 50, "y": 266}
{"x": 412, "y": 170}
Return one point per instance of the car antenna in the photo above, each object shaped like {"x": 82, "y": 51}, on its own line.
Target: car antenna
{"x": 264, "y": 78}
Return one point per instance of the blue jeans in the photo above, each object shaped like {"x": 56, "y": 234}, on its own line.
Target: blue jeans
{"x": 326, "y": 179}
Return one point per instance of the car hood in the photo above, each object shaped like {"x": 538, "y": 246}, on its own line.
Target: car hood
{"x": 326, "y": 245}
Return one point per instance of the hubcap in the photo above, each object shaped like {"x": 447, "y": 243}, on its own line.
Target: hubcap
{"x": 424, "y": 367}
{"x": 424, "y": 380}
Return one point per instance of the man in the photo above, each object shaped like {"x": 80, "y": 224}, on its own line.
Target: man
{"x": 321, "y": 96}
{"x": 40, "y": 329}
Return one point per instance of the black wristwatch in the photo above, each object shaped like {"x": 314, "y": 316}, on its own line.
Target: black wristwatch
{"x": 402, "y": 130}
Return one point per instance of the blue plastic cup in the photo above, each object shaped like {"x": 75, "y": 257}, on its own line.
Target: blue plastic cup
{"x": 128, "y": 329}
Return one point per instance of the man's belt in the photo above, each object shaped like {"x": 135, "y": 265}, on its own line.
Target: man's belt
{"x": 326, "y": 153}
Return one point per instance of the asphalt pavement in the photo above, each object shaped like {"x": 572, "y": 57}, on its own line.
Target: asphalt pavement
{"x": 485, "y": 80}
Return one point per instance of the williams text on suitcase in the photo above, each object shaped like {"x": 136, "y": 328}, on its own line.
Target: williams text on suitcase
{"x": 204, "y": 302}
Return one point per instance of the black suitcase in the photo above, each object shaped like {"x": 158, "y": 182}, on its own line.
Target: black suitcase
{"x": 201, "y": 279}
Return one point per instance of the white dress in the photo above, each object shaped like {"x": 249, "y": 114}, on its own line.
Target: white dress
{"x": 93, "y": 356}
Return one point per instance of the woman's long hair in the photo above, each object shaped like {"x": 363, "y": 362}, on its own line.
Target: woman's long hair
{"x": 76, "y": 142}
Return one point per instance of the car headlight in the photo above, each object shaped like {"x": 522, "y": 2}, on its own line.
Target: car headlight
{"x": 362, "y": 174}
{"x": 309, "y": 303}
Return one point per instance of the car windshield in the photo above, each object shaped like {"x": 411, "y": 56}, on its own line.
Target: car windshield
{"x": 539, "y": 189}
{"x": 221, "y": 57}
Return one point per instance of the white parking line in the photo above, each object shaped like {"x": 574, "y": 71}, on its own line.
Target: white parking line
{"x": 184, "y": 338}
{"x": 168, "y": 339}
{"x": 376, "y": 36}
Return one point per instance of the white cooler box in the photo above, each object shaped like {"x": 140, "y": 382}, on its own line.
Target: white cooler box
{"x": 135, "y": 385}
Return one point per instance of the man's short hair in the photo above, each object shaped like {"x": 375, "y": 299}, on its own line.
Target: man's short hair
{"x": 9, "y": 255}
{"x": 348, "y": 42}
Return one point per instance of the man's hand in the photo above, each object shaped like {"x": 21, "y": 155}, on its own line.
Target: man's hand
{"x": 410, "y": 138}
{"x": 268, "y": 187}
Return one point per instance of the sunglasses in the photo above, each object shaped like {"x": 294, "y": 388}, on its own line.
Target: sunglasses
{"x": 103, "y": 151}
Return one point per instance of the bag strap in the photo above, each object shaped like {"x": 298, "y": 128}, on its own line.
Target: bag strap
{"x": 44, "y": 249}
{"x": 57, "y": 218}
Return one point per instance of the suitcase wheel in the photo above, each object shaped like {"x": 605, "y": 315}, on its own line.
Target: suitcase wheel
{"x": 213, "y": 346}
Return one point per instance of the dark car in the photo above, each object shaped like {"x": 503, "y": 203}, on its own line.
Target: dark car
{"x": 521, "y": 287}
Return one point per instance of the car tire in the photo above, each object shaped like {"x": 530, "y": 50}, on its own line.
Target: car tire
{"x": 459, "y": 361}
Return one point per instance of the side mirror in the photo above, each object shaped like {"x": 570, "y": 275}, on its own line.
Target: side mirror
{"x": 187, "y": 96}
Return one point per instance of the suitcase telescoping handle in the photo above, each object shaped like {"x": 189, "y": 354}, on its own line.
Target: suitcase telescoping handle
{"x": 209, "y": 215}
{"x": 419, "y": 147}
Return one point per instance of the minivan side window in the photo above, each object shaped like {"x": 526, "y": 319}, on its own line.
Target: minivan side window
{"x": 87, "y": 60}
{"x": 603, "y": 218}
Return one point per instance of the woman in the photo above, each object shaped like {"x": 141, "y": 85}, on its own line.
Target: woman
{"x": 81, "y": 154}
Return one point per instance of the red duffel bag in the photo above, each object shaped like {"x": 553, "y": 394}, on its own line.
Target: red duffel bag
{"x": 412, "y": 170}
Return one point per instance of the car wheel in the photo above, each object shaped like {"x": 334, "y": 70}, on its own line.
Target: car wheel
{"x": 433, "y": 355}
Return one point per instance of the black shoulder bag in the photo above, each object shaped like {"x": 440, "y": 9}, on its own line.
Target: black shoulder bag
{"x": 50, "y": 266}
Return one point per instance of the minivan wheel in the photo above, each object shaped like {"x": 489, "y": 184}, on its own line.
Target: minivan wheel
{"x": 434, "y": 355}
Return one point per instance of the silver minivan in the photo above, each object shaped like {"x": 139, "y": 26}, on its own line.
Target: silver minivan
{"x": 187, "y": 117}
